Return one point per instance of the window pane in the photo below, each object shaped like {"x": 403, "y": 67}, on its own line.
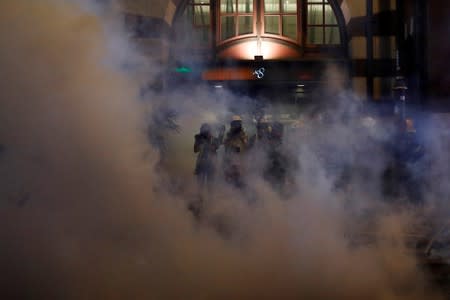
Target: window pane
{"x": 228, "y": 27}
{"x": 315, "y": 14}
{"x": 227, "y": 6}
{"x": 271, "y": 5}
{"x": 330, "y": 18}
{"x": 201, "y": 15}
{"x": 289, "y": 5}
{"x": 201, "y": 1}
{"x": 332, "y": 35}
{"x": 290, "y": 26}
{"x": 245, "y": 6}
{"x": 245, "y": 24}
{"x": 271, "y": 24}
{"x": 315, "y": 35}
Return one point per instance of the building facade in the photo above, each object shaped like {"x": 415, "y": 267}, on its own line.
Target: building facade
{"x": 287, "y": 42}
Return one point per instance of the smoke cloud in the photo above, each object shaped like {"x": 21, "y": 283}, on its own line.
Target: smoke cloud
{"x": 91, "y": 210}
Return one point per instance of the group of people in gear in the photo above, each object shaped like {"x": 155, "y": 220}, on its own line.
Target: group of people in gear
{"x": 237, "y": 149}
{"x": 402, "y": 176}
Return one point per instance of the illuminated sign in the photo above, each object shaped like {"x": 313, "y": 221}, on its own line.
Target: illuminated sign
{"x": 259, "y": 73}
{"x": 183, "y": 70}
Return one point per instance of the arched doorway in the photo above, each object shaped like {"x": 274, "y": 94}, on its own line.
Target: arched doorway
{"x": 306, "y": 26}
{"x": 258, "y": 46}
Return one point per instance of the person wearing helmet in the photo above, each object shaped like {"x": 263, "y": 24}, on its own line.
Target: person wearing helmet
{"x": 262, "y": 136}
{"x": 277, "y": 160}
{"x": 236, "y": 142}
{"x": 206, "y": 145}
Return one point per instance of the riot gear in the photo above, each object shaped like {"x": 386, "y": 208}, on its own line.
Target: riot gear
{"x": 235, "y": 143}
{"x": 277, "y": 161}
{"x": 263, "y": 129}
{"x": 206, "y": 145}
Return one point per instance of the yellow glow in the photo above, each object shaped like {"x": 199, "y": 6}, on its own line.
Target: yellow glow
{"x": 247, "y": 50}
{"x": 268, "y": 50}
{"x": 250, "y": 49}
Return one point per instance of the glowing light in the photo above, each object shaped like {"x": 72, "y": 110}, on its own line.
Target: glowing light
{"x": 270, "y": 50}
{"x": 264, "y": 49}
{"x": 183, "y": 70}
{"x": 224, "y": 74}
{"x": 251, "y": 49}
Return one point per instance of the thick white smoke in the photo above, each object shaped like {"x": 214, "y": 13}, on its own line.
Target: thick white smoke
{"x": 84, "y": 214}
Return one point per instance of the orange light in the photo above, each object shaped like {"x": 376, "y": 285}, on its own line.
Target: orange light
{"x": 225, "y": 74}
{"x": 246, "y": 50}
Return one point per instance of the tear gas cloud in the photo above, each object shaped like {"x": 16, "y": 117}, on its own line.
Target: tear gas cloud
{"x": 87, "y": 213}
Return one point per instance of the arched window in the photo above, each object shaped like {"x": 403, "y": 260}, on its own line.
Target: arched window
{"x": 277, "y": 17}
{"x": 307, "y": 23}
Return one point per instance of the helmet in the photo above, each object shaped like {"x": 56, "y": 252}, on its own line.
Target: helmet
{"x": 263, "y": 120}
{"x": 236, "y": 123}
{"x": 236, "y": 118}
{"x": 205, "y": 128}
{"x": 263, "y": 125}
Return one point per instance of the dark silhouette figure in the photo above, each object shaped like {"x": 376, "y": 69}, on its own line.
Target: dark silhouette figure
{"x": 206, "y": 145}
{"x": 236, "y": 143}
{"x": 277, "y": 161}
{"x": 403, "y": 177}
